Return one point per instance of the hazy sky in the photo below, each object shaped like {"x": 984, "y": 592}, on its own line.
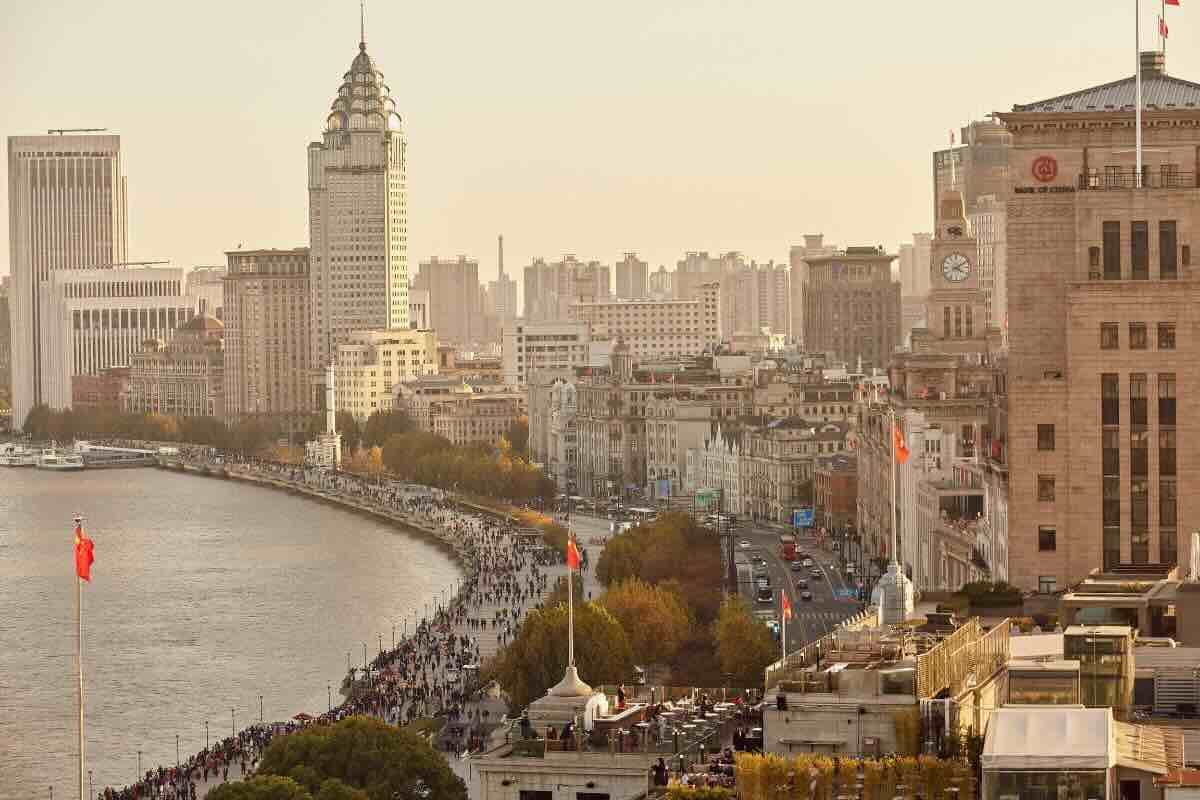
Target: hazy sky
{"x": 649, "y": 125}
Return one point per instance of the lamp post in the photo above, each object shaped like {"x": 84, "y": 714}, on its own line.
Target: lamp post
{"x": 91, "y": 788}
{"x": 139, "y": 772}
{"x": 232, "y": 723}
{"x": 176, "y": 752}
{"x": 260, "y": 709}
{"x": 329, "y": 695}
{"x": 205, "y": 734}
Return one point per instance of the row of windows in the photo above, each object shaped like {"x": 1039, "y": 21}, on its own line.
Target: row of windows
{"x": 1110, "y": 336}
{"x": 1105, "y": 261}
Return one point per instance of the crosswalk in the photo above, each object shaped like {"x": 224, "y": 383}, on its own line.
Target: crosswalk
{"x": 824, "y": 616}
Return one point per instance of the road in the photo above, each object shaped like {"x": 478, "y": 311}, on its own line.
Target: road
{"x": 811, "y": 619}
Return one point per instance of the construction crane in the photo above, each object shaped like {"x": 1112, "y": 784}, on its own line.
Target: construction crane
{"x": 138, "y": 263}
{"x": 61, "y": 131}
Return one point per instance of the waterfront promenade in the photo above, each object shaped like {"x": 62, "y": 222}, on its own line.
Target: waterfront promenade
{"x": 427, "y": 673}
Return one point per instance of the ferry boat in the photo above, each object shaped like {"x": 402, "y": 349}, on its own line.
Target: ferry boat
{"x": 59, "y": 460}
{"x": 15, "y": 455}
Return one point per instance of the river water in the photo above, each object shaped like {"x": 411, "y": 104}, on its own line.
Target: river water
{"x": 205, "y": 594}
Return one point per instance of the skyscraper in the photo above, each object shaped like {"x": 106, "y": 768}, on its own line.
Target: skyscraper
{"x": 357, "y": 213}
{"x": 455, "y": 305}
{"x": 631, "y": 277}
{"x": 66, "y": 211}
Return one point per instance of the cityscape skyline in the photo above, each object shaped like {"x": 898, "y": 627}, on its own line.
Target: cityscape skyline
{"x": 462, "y": 187}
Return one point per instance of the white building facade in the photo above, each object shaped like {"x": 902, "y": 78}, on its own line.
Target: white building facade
{"x": 657, "y": 328}
{"x": 66, "y": 211}
{"x": 99, "y": 318}
{"x": 372, "y": 363}
{"x": 530, "y": 347}
{"x": 357, "y": 213}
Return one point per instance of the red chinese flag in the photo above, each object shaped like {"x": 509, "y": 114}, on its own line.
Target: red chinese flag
{"x": 1172, "y": 2}
{"x": 900, "y": 445}
{"x": 787, "y": 605}
{"x": 572, "y": 554}
{"x": 83, "y": 555}
{"x": 1162, "y": 28}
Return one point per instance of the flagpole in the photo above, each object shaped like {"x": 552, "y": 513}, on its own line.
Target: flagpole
{"x": 895, "y": 511}
{"x": 79, "y": 663}
{"x": 570, "y": 611}
{"x": 783, "y": 634}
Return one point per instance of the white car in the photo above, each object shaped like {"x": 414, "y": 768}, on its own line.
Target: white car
{"x": 744, "y": 543}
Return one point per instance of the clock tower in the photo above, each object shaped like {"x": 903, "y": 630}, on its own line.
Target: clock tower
{"x": 956, "y": 308}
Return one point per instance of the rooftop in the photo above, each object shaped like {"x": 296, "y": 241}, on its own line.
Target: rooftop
{"x": 1159, "y": 91}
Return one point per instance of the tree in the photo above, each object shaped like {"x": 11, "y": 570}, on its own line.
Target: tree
{"x": 383, "y": 425}
{"x": 37, "y": 422}
{"x": 518, "y": 436}
{"x": 537, "y": 658}
{"x": 744, "y": 645}
{"x": 349, "y": 428}
{"x": 261, "y": 787}
{"x": 655, "y": 619}
{"x": 380, "y": 760}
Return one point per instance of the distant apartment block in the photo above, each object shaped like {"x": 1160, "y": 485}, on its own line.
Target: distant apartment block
{"x": 455, "y": 304}
{"x": 206, "y": 289}
{"x": 813, "y": 247}
{"x": 530, "y": 347}
{"x": 551, "y": 288}
{"x": 632, "y": 276}
{"x": 657, "y": 327}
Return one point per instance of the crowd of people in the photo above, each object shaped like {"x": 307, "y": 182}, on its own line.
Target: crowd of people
{"x": 430, "y": 672}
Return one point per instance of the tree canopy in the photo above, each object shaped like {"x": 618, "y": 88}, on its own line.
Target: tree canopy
{"x": 264, "y": 787}
{"x": 381, "y": 761}
{"x": 383, "y": 425}
{"x": 537, "y": 658}
{"x": 655, "y": 619}
{"x": 744, "y": 645}
{"x": 478, "y": 467}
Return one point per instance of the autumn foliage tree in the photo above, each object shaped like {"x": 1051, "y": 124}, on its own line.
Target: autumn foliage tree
{"x": 744, "y": 645}
{"x": 655, "y": 619}
{"x": 537, "y": 658}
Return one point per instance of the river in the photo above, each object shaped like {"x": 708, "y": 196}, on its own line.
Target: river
{"x": 205, "y": 595}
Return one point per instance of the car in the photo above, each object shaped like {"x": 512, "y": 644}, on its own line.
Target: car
{"x": 801, "y": 556}
{"x": 744, "y": 543}
{"x": 816, "y": 574}
{"x": 802, "y": 584}
{"x": 762, "y": 582}
{"x": 808, "y": 562}
{"x": 797, "y": 566}
{"x": 758, "y": 561}
{"x": 806, "y": 595}
{"x": 764, "y": 596}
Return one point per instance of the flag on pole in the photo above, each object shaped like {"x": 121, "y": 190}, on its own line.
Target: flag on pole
{"x": 83, "y": 555}
{"x": 572, "y": 553}
{"x": 1171, "y": 2}
{"x": 899, "y": 444}
{"x": 787, "y": 605}
{"x": 1162, "y": 27}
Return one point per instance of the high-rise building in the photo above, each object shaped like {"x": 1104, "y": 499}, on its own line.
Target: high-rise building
{"x": 357, "y": 214}
{"x": 852, "y": 306}
{"x": 914, "y": 280}
{"x": 5, "y": 341}
{"x": 418, "y": 310}
{"x": 66, "y": 211}
{"x": 551, "y": 288}
{"x": 267, "y": 333}
{"x": 813, "y": 247}
{"x": 93, "y": 319}
{"x": 761, "y": 298}
{"x": 1102, "y": 302}
{"x": 205, "y": 289}
{"x": 502, "y": 292}
{"x": 455, "y": 303}
{"x": 662, "y": 284}
{"x": 632, "y": 275}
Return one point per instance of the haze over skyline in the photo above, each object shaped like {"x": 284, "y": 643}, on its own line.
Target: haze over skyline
{"x": 592, "y": 130}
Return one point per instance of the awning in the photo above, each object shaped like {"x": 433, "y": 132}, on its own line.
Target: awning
{"x": 1052, "y": 739}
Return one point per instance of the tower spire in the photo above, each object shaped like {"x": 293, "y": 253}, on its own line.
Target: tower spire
{"x": 362, "y": 24}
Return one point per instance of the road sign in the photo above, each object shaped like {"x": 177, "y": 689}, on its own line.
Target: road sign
{"x": 802, "y": 517}
{"x": 845, "y": 594}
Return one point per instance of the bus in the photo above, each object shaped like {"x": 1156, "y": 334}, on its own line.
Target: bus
{"x": 787, "y": 547}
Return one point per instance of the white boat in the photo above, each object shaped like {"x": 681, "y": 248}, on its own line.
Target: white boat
{"x": 59, "y": 460}
{"x": 15, "y": 455}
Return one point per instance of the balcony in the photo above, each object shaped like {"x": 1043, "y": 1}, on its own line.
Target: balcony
{"x": 1127, "y": 179}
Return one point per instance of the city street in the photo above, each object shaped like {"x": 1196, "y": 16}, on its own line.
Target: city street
{"x": 811, "y": 619}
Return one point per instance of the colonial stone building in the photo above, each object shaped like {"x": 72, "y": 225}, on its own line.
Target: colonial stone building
{"x": 1104, "y": 317}
{"x": 852, "y": 306}
{"x": 185, "y": 378}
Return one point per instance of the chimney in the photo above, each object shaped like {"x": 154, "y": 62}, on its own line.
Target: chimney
{"x": 1154, "y": 64}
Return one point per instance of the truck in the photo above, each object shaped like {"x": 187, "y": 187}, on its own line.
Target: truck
{"x": 787, "y": 547}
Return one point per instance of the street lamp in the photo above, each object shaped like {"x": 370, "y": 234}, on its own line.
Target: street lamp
{"x": 91, "y": 788}
{"x": 329, "y": 695}
{"x": 205, "y": 734}
{"x": 232, "y": 724}
{"x": 139, "y": 772}
{"x": 176, "y": 754}
{"x": 260, "y": 709}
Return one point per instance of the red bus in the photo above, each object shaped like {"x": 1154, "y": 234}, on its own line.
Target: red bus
{"x": 787, "y": 547}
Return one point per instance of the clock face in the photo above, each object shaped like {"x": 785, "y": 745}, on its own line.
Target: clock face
{"x": 956, "y": 267}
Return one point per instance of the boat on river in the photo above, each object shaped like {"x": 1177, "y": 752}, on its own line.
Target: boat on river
{"x": 59, "y": 460}
{"x": 15, "y": 455}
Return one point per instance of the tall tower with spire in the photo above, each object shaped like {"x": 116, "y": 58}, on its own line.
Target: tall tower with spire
{"x": 357, "y": 211}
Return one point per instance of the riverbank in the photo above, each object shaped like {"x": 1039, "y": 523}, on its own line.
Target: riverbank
{"x": 422, "y": 675}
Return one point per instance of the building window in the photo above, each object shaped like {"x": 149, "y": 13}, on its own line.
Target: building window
{"x": 1110, "y": 400}
{"x": 1168, "y": 547}
{"x": 1167, "y": 508}
{"x": 1139, "y": 247}
{"x": 1166, "y": 451}
{"x": 1047, "y": 539}
{"x": 1168, "y": 264}
{"x": 1110, "y": 336}
{"x": 1046, "y": 488}
{"x": 1166, "y": 336}
{"x": 1137, "y": 336}
{"x": 1139, "y": 546}
{"x": 1045, "y": 437}
{"x": 1047, "y": 584}
{"x": 1166, "y": 398}
{"x": 1137, "y": 399}
{"x": 1139, "y": 450}
{"x": 1112, "y": 251}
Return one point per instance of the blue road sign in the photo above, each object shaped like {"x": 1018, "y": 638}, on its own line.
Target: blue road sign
{"x": 802, "y": 517}
{"x": 846, "y": 594}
